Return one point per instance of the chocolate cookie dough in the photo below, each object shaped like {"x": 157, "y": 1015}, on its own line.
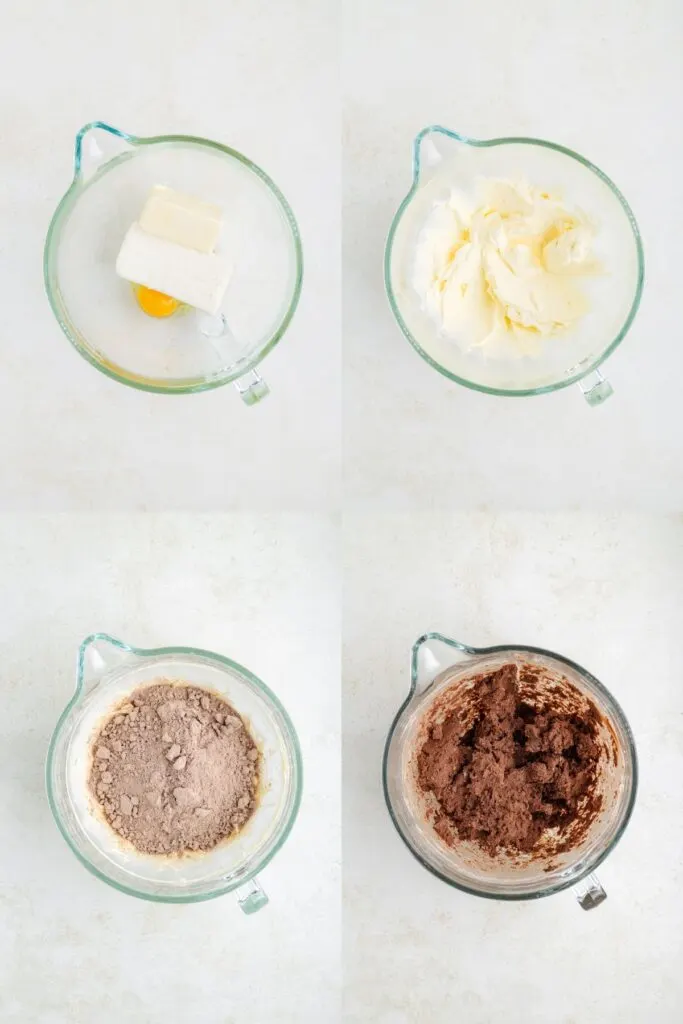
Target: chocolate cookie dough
{"x": 514, "y": 773}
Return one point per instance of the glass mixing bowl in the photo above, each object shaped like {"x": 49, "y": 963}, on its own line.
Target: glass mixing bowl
{"x": 440, "y": 664}
{"x": 108, "y": 670}
{"x": 98, "y": 312}
{"x": 442, "y": 159}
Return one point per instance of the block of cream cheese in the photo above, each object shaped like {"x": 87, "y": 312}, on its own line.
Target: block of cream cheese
{"x": 196, "y": 278}
{"x": 181, "y": 219}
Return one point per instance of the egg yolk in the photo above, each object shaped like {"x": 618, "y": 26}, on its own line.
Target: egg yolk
{"x": 155, "y": 303}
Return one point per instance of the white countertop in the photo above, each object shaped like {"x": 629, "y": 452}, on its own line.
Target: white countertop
{"x": 259, "y": 80}
{"x": 261, "y": 590}
{"x": 605, "y": 592}
{"x": 598, "y": 78}
{"x": 263, "y": 586}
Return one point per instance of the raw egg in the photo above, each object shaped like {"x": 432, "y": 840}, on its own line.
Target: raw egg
{"x": 155, "y": 303}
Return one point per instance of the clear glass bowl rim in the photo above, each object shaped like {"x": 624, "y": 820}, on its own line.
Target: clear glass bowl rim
{"x": 65, "y": 206}
{"x": 482, "y": 144}
{"x": 162, "y": 652}
{"x": 521, "y": 649}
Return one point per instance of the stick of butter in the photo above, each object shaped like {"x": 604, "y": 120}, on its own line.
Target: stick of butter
{"x": 181, "y": 219}
{"x": 198, "y": 279}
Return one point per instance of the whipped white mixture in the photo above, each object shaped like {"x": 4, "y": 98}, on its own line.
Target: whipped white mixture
{"x": 502, "y": 269}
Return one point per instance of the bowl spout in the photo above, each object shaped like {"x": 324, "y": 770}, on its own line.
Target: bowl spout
{"x": 433, "y": 146}
{"x": 97, "y": 144}
{"x": 98, "y": 655}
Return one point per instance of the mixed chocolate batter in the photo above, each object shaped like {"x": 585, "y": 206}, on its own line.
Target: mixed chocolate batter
{"x": 510, "y": 772}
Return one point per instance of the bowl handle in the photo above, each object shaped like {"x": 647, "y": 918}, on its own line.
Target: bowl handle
{"x": 589, "y": 892}
{"x": 252, "y": 388}
{"x": 596, "y": 389}
{"x": 251, "y": 897}
{"x": 431, "y": 654}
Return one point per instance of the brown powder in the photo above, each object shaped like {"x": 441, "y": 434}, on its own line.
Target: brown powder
{"x": 505, "y": 775}
{"x": 174, "y": 769}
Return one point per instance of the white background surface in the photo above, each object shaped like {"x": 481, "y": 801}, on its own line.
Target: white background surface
{"x": 602, "y": 79}
{"x": 260, "y": 77}
{"x": 264, "y": 591}
{"x": 606, "y": 592}
{"x": 263, "y": 77}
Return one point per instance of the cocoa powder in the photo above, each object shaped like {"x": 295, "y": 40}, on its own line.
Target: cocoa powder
{"x": 505, "y": 775}
{"x": 174, "y": 769}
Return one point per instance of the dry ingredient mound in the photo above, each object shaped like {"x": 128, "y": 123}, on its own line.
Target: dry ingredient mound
{"x": 174, "y": 769}
{"x": 513, "y": 773}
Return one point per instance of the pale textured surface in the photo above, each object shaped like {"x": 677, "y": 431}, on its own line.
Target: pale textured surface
{"x": 261, "y": 590}
{"x": 606, "y": 592}
{"x": 263, "y": 79}
{"x": 599, "y": 78}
